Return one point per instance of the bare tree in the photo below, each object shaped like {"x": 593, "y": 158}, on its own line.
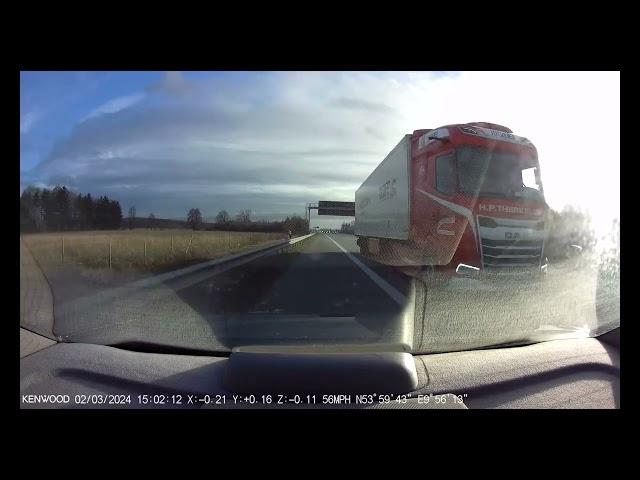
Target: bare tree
{"x": 347, "y": 227}
{"x": 194, "y": 218}
{"x": 244, "y": 216}
{"x": 222, "y": 217}
{"x": 132, "y": 216}
{"x": 152, "y": 220}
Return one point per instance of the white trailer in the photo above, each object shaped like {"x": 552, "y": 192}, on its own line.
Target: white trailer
{"x": 382, "y": 201}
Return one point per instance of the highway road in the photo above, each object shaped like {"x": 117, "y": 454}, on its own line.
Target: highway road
{"x": 322, "y": 291}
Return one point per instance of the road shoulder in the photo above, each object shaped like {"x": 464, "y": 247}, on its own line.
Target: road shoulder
{"x": 36, "y": 299}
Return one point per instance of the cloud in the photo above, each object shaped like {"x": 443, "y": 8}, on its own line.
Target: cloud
{"x": 171, "y": 82}
{"x": 273, "y": 141}
{"x": 116, "y": 104}
{"x": 444, "y": 75}
{"x": 365, "y": 105}
{"x": 282, "y": 148}
{"x": 28, "y": 120}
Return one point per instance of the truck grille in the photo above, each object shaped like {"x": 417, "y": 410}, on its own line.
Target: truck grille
{"x": 510, "y": 253}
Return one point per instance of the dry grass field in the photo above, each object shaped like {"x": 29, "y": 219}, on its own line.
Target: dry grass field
{"x": 139, "y": 249}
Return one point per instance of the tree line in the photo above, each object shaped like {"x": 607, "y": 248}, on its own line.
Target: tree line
{"x": 242, "y": 222}
{"x": 347, "y": 227}
{"x": 59, "y": 209}
{"x": 571, "y": 225}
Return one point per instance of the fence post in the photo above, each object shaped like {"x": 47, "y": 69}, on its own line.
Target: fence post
{"x": 110, "y": 239}
{"x": 63, "y": 250}
{"x": 145, "y": 251}
{"x": 228, "y": 240}
{"x": 172, "y": 245}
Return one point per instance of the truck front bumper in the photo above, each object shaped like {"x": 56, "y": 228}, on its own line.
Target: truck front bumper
{"x": 469, "y": 271}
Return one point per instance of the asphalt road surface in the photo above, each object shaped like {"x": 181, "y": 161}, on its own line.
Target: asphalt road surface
{"x": 313, "y": 294}
{"x": 322, "y": 291}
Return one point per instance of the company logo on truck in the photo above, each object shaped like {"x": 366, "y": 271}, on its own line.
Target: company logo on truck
{"x": 388, "y": 189}
{"x": 442, "y": 230}
{"x": 364, "y": 203}
{"x": 484, "y": 207}
{"x": 494, "y": 135}
{"x": 502, "y": 135}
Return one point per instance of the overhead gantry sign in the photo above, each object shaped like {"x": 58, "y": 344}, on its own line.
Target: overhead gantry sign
{"x": 338, "y": 209}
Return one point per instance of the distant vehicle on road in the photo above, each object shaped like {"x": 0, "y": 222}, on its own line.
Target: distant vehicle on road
{"x": 463, "y": 198}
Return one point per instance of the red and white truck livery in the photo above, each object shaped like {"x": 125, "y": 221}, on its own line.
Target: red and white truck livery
{"x": 463, "y": 198}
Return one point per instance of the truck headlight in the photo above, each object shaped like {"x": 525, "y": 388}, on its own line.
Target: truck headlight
{"x": 487, "y": 222}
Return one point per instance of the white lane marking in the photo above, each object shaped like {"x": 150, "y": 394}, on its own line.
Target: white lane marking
{"x": 383, "y": 284}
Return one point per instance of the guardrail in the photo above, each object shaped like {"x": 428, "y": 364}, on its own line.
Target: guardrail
{"x": 229, "y": 261}
{"x": 218, "y": 265}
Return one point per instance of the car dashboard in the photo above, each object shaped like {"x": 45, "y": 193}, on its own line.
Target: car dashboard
{"x": 570, "y": 373}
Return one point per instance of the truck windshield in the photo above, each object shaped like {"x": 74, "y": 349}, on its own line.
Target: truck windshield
{"x": 483, "y": 172}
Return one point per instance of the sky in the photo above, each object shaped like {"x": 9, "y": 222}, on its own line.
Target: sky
{"x": 272, "y": 142}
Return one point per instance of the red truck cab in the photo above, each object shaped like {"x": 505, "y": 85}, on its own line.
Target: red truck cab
{"x": 476, "y": 203}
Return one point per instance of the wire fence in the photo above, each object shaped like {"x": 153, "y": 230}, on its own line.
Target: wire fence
{"x": 140, "y": 249}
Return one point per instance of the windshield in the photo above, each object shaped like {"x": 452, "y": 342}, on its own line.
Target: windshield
{"x": 483, "y": 172}
{"x": 205, "y": 211}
